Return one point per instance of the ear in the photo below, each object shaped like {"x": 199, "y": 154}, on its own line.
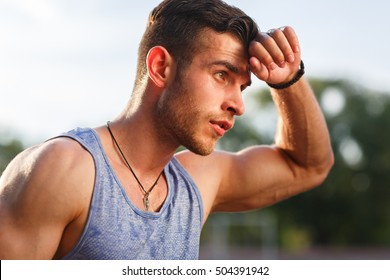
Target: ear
{"x": 160, "y": 66}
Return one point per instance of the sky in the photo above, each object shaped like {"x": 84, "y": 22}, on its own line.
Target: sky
{"x": 69, "y": 63}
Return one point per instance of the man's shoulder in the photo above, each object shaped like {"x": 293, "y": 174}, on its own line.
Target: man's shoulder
{"x": 215, "y": 160}
{"x": 44, "y": 189}
{"x": 60, "y": 152}
{"x": 206, "y": 170}
{"x": 57, "y": 161}
{"x": 208, "y": 173}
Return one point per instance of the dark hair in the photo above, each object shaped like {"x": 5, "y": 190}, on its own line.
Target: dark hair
{"x": 176, "y": 25}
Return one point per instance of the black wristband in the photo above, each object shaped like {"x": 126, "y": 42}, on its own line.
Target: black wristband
{"x": 296, "y": 78}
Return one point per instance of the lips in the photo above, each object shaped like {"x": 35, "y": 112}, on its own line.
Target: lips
{"x": 221, "y": 127}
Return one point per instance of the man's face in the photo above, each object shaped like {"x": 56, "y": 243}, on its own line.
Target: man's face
{"x": 200, "y": 105}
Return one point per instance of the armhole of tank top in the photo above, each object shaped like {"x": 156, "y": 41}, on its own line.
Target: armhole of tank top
{"x": 194, "y": 186}
{"x": 82, "y": 143}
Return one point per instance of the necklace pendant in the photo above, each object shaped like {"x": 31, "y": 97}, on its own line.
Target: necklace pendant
{"x": 146, "y": 201}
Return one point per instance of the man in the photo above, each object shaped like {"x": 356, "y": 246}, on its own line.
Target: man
{"x": 119, "y": 191}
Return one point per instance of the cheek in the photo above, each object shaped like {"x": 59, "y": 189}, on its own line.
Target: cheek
{"x": 189, "y": 101}
{"x": 202, "y": 88}
{"x": 177, "y": 110}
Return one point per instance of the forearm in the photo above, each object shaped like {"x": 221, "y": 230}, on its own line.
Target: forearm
{"x": 302, "y": 136}
{"x": 302, "y": 132}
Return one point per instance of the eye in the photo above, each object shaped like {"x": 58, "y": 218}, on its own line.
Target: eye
{"x": 221, "y": 75}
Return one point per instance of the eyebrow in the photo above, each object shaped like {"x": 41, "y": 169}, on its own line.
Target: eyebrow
{"x": 231, "y": 68}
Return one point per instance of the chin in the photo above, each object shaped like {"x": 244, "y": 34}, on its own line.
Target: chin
{"x": 204, "y": 152}
{"x": 202, "y": 149}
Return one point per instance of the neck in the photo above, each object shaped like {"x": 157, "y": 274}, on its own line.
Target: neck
{"x": 139, "y": 136}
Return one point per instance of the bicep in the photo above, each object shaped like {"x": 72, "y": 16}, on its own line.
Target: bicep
{"x": 253, "y": 178}
{"x": 257, "y": 177}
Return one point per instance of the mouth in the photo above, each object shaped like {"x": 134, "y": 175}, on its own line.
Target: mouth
{"x": 221, "y": 127}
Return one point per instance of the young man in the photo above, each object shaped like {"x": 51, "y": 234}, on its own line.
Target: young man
{"x": 119, "y": 191}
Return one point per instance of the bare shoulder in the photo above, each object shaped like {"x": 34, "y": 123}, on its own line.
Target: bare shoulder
{"x": 200, "y": 166}
{"x": 58, "y": 160}
{"x": 208, "y": 172}
{"x": 42, "y": 190}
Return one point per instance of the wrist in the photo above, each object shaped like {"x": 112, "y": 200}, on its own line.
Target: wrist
{"x": 295, "y": 79}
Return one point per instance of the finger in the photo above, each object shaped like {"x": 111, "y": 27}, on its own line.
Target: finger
{"x": 269, "y": 43}
{"x": 259, "y": 69}
{"x": 265, "y": 49}
{"x": 284, "y": 45}
{"x": 292, "y": 38}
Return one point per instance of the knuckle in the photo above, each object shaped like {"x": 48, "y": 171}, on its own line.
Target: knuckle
{"x": 254, "y": 48}
{"x": 287, "y": 28}
{"x": 279, "y": 58}
{"x": 277, "y": 33}
{"x": 266, "y": 58}
{"x": 266, "y": 38}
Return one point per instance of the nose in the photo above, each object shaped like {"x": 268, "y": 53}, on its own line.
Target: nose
{"x": 234, "y": 103}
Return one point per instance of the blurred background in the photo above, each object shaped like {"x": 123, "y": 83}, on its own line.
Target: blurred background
{"x": 71, "y": 63}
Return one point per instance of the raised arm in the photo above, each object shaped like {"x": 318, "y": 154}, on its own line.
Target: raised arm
{"x": 301, "y": 156}
{"x": 302, "y": 134}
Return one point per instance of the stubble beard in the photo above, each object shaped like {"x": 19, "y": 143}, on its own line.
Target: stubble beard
{"x": 181, "y": 120}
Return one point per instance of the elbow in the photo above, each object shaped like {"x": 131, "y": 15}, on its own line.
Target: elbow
{"x": 327, "y": 165}
{"x": 318, "y": 173}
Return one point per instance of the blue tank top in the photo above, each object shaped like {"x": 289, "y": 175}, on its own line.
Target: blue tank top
{"x": 117, "y": 229}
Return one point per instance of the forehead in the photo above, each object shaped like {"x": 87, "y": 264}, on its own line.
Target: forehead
{"x": 222, "y": 46}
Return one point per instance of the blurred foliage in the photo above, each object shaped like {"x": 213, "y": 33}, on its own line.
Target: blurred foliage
{"x": 8, "y": 151}
{"x": 351, "y": 208}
